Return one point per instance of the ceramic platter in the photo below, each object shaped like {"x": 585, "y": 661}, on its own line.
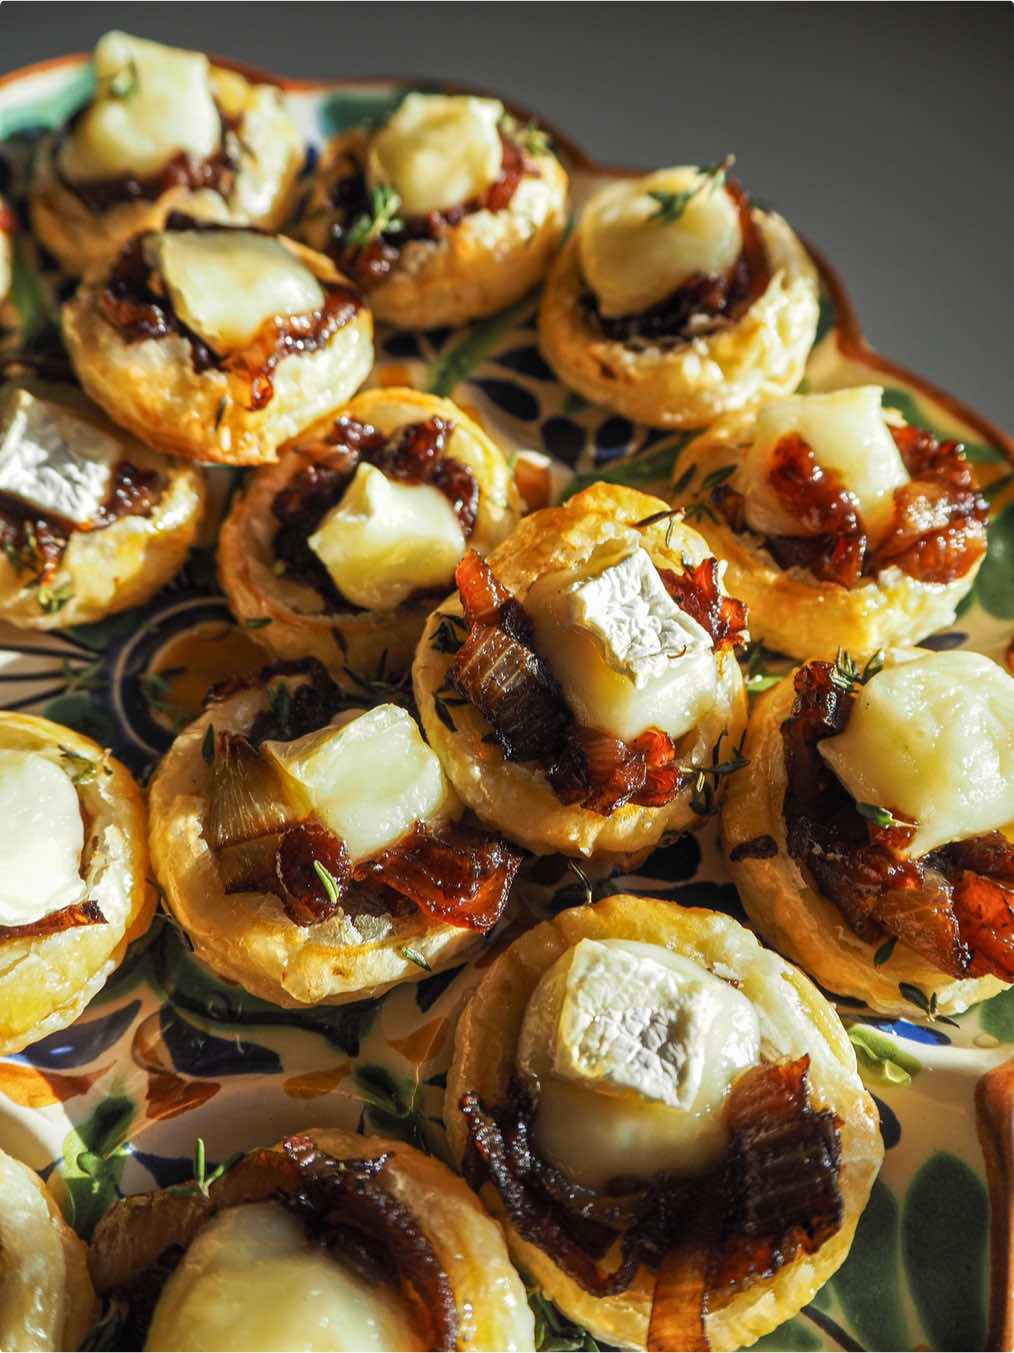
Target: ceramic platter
{"x": 167, "y": 1053}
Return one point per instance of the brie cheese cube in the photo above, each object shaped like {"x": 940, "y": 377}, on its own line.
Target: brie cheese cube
{"x": 632, "y": 259}
{"x": 253, "y": 1279}
{"x": 370, "y": 780}
{"x": 50, "y": 458}
{"x": 624, "y": 653}
{"x": 932, "y": 740}
{"x": 41, "y": 838}
{"x": 227, "y": 284}
{"x": 847, "y": 433}
{"x": 634, "y": 1050}
{"x": 386, "y": 540}
{"x": 437, "y": 151}
{"x": 152, "y": 102}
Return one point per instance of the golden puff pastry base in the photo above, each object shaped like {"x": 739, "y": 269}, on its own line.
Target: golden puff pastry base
{"x": 477, "y": 267}
{"x": 122, "y": 564}
{"x": 46, "y": 981}
{"x": 247, "y": 937}
{"x": 686, "y": 385}
{"x": 300, "y": 626}
{"x": 794, "y": 1018}
{"x": 492, "y": 1308}
{"x": 46, "y": 1296}
{"x": 516, "y": 800}
{"x": 789, "y": 912}
{"x": 262, "y": 195}
{"x": 791, "y": 611}
{"x": 151, "y": 388}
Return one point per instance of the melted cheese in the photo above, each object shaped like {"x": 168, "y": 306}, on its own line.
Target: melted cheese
{"x": 52, "y": 459}
{"x": 632, "y": 259}
{"x": 385, "y": 540}
{"x": 227, "y": 284}
{"x": 846, "y": 433}
{"x": 625, "y": 654}
{"x": 41, "y": 838}
{"x": 634, "y": 1050}
{"x": 932, "y": 740}
{"x": 153, "y": 102}
{"x": 370, "y": 780}
{"x": 438, "y": 151}
{"x": 252, "y": 1280}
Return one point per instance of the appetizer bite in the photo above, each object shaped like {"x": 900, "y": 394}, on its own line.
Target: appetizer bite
{"x": 313, "y": 850}
{"x": 328, "y": 1240}
{"x": 582, "y": 689}
{"x": 675, "y": 300}
{"x": 667, "y": 1118}
{"x": 74, "y": 887}
{"x": 843, "y": 526}
{"x": 91, "y": 521}
{"x": 46, "y": 1296}
{"x": 871, "y": 836}
{"x": 165, "y": 131}
{"x": 341, "y": 549}
{"x": 216, "y": 342}
{"x": 449, "y": 211}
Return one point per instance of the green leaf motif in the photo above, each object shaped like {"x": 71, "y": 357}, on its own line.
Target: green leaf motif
{"x": 996, "y": 1016}
{"x": 994, "y": 587}
{"x": 652, "y": 469}
{"x": 944, "y": 1236}
{"x": 880, "y": 1059}
{"x": 794, "y": 1334}
{"x": 462, "y": 357}
{"x": 93, "y": 1161}
{"x": 345, "y": 109}
{"x": 867, "y": 1284}
{"x": 912, "y": 411}
{"x": 827, "y": 318}
{"x": 393, "y": 1107}
{"x": 77, "y": 711}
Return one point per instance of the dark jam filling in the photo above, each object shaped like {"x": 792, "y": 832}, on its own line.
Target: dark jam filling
{"x": 703, "y": 302}
{"x": 183, "y": 170}
{"x": 497, "y": 670}
{"x": 936, "y": 535}
{"x": 774, "y": 1196}
{"x": 136, "y": 305}
{"x": 34, "y": 542}
{"x": 345, "y": 1206}
{"x": 954, "y": 905}
{"x": 67, "y": 918}
{"x": 454, "y": 874}
{"x": 413, "y": 454}
{"x": 351, "y": 198}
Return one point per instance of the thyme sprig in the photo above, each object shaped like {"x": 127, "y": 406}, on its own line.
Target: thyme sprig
{"x": 385, "y": 203}
{"x": 704, "y": 799}
{"x": 52, "y": 599}
{"x": 880, "y": 817}
{"x": 671, "y": 206}
{"x": 203, "y": 1178}
{"x": 529, "y": 136}
{"x": 845, "y": 675}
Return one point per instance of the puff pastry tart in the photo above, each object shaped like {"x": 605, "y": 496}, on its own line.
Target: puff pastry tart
{"x": 675, "y": 300}
{"x": 339, "y": 550}
{"x": 668, "y": 1119}
{"x": 46, "y": 1297}
{"x": 328, "y": 1240}
{"x": 73, "y": 890}
{"x": 842, "y": 525}
{"x": 216, "y": 342}
{"x": 872, "y": 836}
{"x": 582, "y": 690}
{"x": 166, "y": 131}
{"x": 314, "y": 851}
{"x": 449, "y": 211}
{"x": 91, "y": 521}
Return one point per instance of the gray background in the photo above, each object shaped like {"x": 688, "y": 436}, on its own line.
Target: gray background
{"x": 882, "y": 131}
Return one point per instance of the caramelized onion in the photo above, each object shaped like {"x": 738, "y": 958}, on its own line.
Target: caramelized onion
{"x": 77, "y": 914}
{"x": 249, "y": 796}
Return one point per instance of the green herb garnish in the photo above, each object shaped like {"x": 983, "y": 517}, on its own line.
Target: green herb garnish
{"x": 331, "y": 886}
{"x": 671, "y": 206}
{"x": 413, "y": 956}
{"x": 202, "y": 1178}
{"x": 382, "y": 217}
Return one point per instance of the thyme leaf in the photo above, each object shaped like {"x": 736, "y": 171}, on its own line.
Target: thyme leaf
{"x": 382, "y": 217}
{"x": 329, "y": 881}
{"x": 413, "y": 956}
{"x": 671, "y": 206}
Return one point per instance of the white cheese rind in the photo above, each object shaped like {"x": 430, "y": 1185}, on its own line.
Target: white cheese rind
{"x": 932, "y": 740}
{"x": 370, "y": 780}
{"x": 227, "y": 284}
{"x": 386, "y": 540}
{"x": 437, "y": 151}
{"x": 50, "y": 458}
{"x": 847, "y": 433}
{"x": 41, "y": 838}
{"x": 152, "y": 102}
{"x": 624, "y": 653}
{"x": 631, "y": 258}
{"x": 634, "y": 1050}
{"x": 251, "y": 1279}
